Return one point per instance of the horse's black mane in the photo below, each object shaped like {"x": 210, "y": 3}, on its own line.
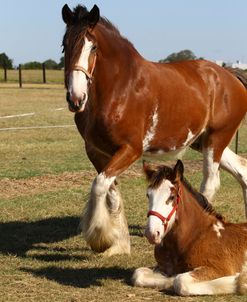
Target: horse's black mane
{"x": 165, "y": 172}
{"x": 81, "y": 11}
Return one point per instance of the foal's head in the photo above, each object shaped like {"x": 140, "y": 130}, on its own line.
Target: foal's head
{"x": 80, "y": 53}
{"x": 164, "y": 196}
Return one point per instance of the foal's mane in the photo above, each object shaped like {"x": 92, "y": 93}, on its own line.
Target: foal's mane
{"x": 164, "y": 172}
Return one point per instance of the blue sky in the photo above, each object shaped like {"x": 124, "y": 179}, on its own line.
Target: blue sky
{"x": 32, "y": 30}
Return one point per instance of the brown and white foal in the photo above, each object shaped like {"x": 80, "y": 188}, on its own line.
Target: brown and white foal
{"x": 197, "y": 251}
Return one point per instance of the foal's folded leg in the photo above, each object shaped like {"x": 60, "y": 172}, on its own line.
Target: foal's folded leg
{"x": 152, "y": 278}
{"x": 198, "y": 282}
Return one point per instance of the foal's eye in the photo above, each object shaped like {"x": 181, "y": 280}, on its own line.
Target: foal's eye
{"x": 172, "y": 197}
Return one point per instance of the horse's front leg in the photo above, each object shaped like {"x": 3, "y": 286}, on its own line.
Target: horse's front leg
{"x": 104, "y": 224}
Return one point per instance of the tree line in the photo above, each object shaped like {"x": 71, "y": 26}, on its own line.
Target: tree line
{"x": 6, "y": 62}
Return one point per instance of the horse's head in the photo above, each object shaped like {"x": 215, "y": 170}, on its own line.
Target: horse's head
{"x": 164, "y": 195}
{"x": 80, "y": 53}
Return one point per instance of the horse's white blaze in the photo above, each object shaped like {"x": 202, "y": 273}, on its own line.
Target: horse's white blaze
{"x": 158, "y": 198}
{"x": 78, "y": 83}
{"x": 186, "y": 285}
{"x": 217, "y": 227}
{"x": 211, "y": 181}
{"x": 151, "y": 131}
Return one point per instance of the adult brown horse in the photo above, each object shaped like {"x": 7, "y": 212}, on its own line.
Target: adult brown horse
{"x": 125, "y": 105}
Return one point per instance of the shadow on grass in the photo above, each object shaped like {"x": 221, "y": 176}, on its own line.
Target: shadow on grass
{"x": 18, "y": 237}
{"x": 82, "y": 278}
{"x": 136, "y": 230}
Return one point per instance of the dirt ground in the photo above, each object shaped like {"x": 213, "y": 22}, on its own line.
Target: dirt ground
{"x": 12, "y": 188}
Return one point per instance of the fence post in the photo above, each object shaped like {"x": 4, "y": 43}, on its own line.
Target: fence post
{"x": 20, "y": 76}
{"x": 236, "y": 143}
{"x": 44, "y": 75}
{"x": 5, "y": 74}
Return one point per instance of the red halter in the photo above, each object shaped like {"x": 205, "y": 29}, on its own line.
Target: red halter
{"x": 165, "y": 220}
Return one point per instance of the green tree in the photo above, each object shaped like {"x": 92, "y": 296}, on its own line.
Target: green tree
{"x": 32, "y": 65}
{"x": 5, "y": 62}
{"x": 182, "y": 55}
{"x": 51, "y": 64}
{"x": 61, "y": 63}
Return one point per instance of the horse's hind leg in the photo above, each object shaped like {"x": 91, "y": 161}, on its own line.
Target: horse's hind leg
{"x": 211, "y": 178}
{"x": 213, "y": 145}
{"x": 237, "y": 166}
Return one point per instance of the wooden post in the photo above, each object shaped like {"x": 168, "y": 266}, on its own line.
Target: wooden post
{"x": 236, "y": 143}
{"x": 20, "y": 76}
{"x": 5, "y": 74}
{"x": 44, "y": 75}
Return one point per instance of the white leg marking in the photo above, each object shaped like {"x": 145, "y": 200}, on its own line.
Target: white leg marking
{"x": 186, "y": 285}
{"x": 102, "y": 184}
{"x": 237, "y": 166}
{"x": 151, "y": 132}
{"x": 146, "y": 277}
{"x": 211, "y": 178}
{"x": 217, "y": 228}
{"x": 189, "y": 138}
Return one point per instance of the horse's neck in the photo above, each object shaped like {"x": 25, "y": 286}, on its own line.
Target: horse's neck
{"x": 118, "y": 57}
{"x": 192, "y": 220}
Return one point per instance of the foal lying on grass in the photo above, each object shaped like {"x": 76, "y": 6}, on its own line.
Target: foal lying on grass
{"x": 197, "y": 251}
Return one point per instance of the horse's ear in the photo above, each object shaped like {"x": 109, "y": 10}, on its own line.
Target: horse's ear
{"x": 93, "y": 16}
{"x": 178, "y": 170}
{"x": 149, "y": 172}
{"x": 67, "y": 14}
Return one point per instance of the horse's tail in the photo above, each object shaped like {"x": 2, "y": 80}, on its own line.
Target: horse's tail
{"x": 239, "y": 74}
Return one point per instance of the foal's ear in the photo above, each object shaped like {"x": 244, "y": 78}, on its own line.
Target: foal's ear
{"x": 149, "y": 172}
{"x": 67, "y": 14}
{"x": 178, "y": 170}
{"x": 93, "y": 16}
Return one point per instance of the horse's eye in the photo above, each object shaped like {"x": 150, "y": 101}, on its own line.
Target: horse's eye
{"x": 94, "y": 48}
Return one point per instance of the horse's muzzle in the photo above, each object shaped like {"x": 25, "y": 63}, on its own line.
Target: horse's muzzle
{"x": 74, "y": 106}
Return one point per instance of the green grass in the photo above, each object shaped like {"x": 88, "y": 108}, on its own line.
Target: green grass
{"x": 45, "y": 177}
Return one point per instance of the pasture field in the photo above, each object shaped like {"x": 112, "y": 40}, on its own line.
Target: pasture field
{"x": 33, "y": 76}
{"x": 45, "y": 177}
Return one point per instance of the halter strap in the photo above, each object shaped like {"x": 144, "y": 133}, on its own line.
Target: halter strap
{"x": 89, "y": 74}
{"x": 165, "y": 220}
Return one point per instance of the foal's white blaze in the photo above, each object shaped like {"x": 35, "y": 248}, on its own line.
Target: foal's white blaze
{"x": 78, "y": 83}
{"x": 217, "y": 228}
{"x": 159, "y": 202}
